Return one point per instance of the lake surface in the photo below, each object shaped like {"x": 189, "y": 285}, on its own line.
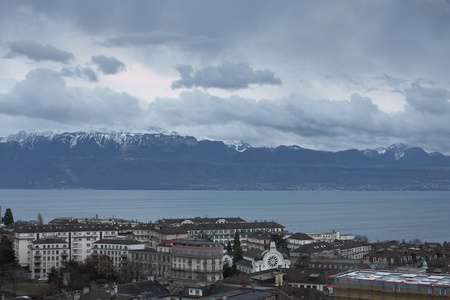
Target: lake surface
{"x": 378, "y": 215}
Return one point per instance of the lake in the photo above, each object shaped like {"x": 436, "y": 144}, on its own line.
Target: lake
{"x": 378, "y": 215}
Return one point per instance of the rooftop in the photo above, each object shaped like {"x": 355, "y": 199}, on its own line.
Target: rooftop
{"x": 396, "y": 277}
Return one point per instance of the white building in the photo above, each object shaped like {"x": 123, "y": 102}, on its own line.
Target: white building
{"x": 45, "y": 254}
{"x": 298, "y": 239}
{"x": 79, "y": 238}
{"x": 256, "y": 260}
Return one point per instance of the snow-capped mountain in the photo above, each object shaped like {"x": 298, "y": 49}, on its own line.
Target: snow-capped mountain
{"x": 105, "y": 159}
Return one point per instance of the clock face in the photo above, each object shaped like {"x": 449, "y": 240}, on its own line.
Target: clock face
{"x": 272, "y": 261}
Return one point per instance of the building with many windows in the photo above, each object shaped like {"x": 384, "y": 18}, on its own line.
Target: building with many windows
{"x": 78, "y": 238}
{"x": 197, "y": 259}
{"x": 154, "y": 234}
{"x": 118, "y": 249}
{"x": 45, "y": 254}
{"x": 224, "y": 232}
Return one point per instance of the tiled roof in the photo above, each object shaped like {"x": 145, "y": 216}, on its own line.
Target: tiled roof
{"x": 236, "y": 226}
{"x": 49, "y": 241}
{"x": 64, "y": 228}
{"x": 300, "y": 236}
{"x": 118, "y": 241}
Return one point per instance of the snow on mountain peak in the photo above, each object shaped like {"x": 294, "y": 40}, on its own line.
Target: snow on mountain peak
{"x": 238, "y": 145}
{"x": 397, "y": 150}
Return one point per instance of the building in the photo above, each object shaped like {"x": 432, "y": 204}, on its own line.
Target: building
{"x": 150, "y": 262}
{"x": 345, "y": 249}
{"x": 153, "y": 234}
{"x": 372, "y": 284}
{"x": 298, "y": 239}
{"x": 45, "y": 254}
{"x": 197, "y": 259}
{"x": 79, "y": 238}
{"x": 259, "y": 240}
{"x": 255, "y": 260}
{"x": 118, "y": 249}
{"x": 330, "y": 237}
{"x": 224, "y": 232}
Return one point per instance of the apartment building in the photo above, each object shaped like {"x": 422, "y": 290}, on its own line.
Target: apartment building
{"x": 118, "y": 249}
{"x": 224, "y": 232}
{"x": 153, "y": 234}
{"x": 46, "y": 253}
{"x": 197, "y": 259}
{"x": 298, "y": 239}
{"x": 345, "y": 249}
{"x": 79, "y": 238}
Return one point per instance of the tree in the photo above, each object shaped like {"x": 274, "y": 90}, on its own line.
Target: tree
{"x": 237, "y": 250}
{"x": 229, "y": 248}
{"x": 8, "y": 218}
{"x": 280, "y": 240}
{"x": 7, "y": 254}
{"x": 40, "y": 220}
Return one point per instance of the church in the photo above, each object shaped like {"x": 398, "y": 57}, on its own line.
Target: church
{"x": 255, "y": 260}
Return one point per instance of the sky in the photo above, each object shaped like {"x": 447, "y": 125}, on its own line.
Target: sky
{"x": 324, "y": 75}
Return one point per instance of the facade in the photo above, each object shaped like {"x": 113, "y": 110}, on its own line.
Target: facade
{"x": 255, "y": 260}
{"x": 153, "y": 234}
{"x": 196, "y": 259}
{"x": 79, "y": 238}
{"x": 298, "y": 239}
{"x": 45, "y": 254}
{"x": 152, "y": 262}
{"x": 224, "y": 232}
{"x": 345, "y": 249}
{"x": 328, "y": 237}
{"x": 118, "y": 249}
{"x": 259, "y": 240}
{"x": 372, "y": 284}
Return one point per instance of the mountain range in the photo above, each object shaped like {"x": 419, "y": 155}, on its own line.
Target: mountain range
{"x": 123, "y": 160}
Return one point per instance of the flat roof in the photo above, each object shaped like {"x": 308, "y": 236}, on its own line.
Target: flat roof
{"x": 396, "y": 277}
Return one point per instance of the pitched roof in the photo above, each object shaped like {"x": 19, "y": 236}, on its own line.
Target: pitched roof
{"x": 300, "y": 236}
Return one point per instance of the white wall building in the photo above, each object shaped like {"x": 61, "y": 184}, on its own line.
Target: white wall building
{"x": 79, "y": 238}
{"x": 256, "y": 261}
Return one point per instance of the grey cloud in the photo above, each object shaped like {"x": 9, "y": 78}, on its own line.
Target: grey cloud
{"x": 63, "y": 104}
{"x": 426, "y": 100}
{"x": 318, "y": 124}
{"x": 80, "y": 73}
{"x": 229, "y": 76}
{"x": 38, "y": 52}
{"x": 155, "y": 38}
{"x": 108, "y": 65}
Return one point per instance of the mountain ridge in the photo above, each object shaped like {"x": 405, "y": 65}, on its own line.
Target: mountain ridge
{"x": 154, "y": 160}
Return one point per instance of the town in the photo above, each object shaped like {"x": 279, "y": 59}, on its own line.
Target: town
{"x": 212, "y": 258}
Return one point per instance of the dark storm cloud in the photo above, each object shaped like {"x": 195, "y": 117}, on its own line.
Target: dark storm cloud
{"x": 108, "y": 65}
{"x": 80, "y": 73}
{"x": 38, "y": 52}
{"x": 58, "y": 102}
{"x": 228, "y": 76}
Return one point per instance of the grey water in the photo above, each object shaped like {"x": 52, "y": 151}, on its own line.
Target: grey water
{"x": 383, "y": 215}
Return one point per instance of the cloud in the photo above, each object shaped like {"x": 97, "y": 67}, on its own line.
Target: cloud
{"x": 64, "y": 104}
{"x": 156, "y": 37}
{"x": 228, "y": 76}
{"x": 108, "y": 65}
{"x": 426, "y": 100}
{"x": 80, "y": 73}
{"x": 38, "y": 52}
